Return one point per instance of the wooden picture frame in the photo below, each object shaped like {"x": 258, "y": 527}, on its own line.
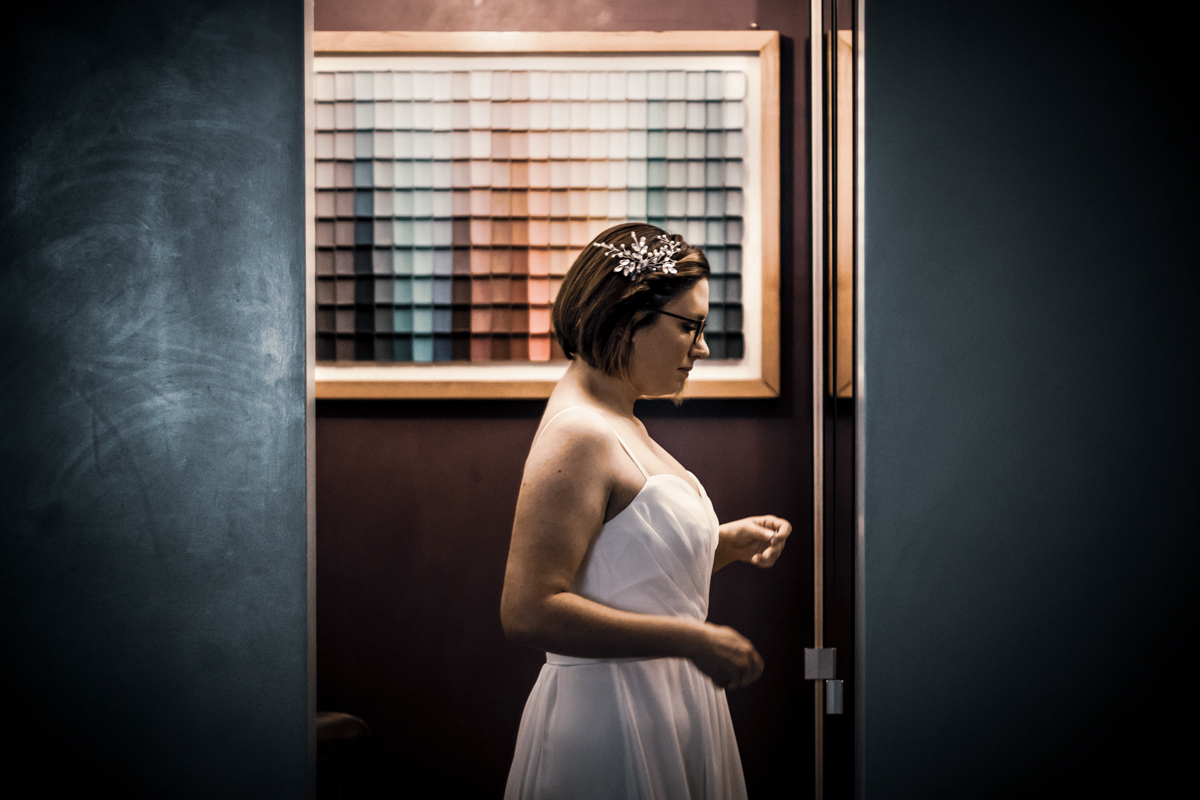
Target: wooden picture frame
{"x": 756, "y": 373}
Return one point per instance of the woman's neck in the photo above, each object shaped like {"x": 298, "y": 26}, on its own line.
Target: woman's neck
{"x": 612, "y": 393}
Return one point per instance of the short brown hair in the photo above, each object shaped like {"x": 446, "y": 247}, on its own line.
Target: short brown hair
{"x": 598, "y": 310}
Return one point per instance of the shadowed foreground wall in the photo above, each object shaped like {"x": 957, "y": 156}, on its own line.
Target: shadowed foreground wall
{"x": 1030, "y": 389}
{"x": 153, "y": 546}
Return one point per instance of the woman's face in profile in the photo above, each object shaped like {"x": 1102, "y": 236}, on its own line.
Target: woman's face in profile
{"x": 665, "y": 350}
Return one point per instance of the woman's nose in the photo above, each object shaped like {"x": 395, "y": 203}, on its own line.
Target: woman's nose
{"x": 700, "y": 348}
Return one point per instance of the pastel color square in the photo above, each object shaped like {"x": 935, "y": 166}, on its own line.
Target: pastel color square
{"x": 735, "y": 85}
{"x": 597, "y": 116}
{"x": 519, "y": 85}
{"x": 323, "y": 86}
{"x": 639, "y": 115}
{"x": 402, "y": 264}
{"x": 637, "y": 85}
{"x": 735, "y": 115}
{"x": 383, "y": 174}
{"x": 422, "y": 265}
{"x": 501, "y": 116}
{"x": 716, "y": 258}
{"x": 539, "y": 232}
{"x": 617, "y": 83}
{"x": 364, "y": 116}
{"x": 560, "y": 85}
{"x": 500, "y": 85}
{"x": 422, "y": 348}
{"x": 560, "y": 174}
{"x": 676, "y": 203}
{"x": 656, "y": 85}
{"x": 539, "y": 264}
{"x": 656, "y": 115}
{"x": 733, "y": 260}
{"x": 364, "y": 86}
{"x": 422, "y": 113}
{"x": 676, "y": 115}
{"x": 443, "y": 116}
{"x": 733, "y": 202}
{"x": 597, "y": 86}
{"x": 443, "y": 87}
{"x": 383, "y": 86}
{"x": 618, "y": 205}
{"x": 580, "y": 85}
{"x": 481, "y": 85}
{"x": 580, "y": 115}
{"x": 715, "y": 232}
{"x": 325, "y": 116}
{"x": 384, "y": 116}
{"x": 481, "y": 261}
{"x": 402, "y": 113}
{"x": 733, "y": 173}
{"x": 714, "y": 173}
{"x": 402, "y": 85}
{"x": 715, "y": 321}
{"x": 735, "y": 144}
{"x": 676, "y": 173}
{"x": 714, "y": 87}
{"x": 539, "y": 85}
{"x": 618, "y": 174}
{"x": 443, "y": 145}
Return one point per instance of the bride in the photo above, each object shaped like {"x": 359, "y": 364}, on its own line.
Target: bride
{"x": 614, "y": 544}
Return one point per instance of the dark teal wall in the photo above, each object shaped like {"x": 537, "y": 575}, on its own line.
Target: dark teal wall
{"x": 152, "y": 534}
{"x": 1030, "y": 389}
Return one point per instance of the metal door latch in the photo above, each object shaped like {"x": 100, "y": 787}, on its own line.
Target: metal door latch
{"x": 820, "y": 664}
{"x": 833, "y": 697}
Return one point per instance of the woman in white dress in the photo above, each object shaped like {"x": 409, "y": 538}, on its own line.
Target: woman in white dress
{"x": 614, "y": 544}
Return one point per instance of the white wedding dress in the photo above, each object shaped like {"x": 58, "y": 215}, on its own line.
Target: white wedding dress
{"x": 626, "y": 728}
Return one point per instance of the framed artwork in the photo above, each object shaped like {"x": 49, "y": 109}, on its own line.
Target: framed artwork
{"x": 458, "y": 176}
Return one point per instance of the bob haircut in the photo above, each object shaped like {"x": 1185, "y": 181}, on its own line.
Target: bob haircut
{"x": 598, "y": 310}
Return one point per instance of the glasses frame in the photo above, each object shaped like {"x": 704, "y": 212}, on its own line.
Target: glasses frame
{"x": 699, "y": 322}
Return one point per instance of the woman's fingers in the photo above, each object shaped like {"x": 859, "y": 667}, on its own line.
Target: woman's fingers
{"x": 731, "y": 660}
{"x": 776, "y": 532}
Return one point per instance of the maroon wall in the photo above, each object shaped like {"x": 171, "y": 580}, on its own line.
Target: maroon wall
{"x": 415, "y": 499}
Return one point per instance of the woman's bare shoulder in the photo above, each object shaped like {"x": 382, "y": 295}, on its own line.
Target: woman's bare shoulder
{"x": 576, "y": 433}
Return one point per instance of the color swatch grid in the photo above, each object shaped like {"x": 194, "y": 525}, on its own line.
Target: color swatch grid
{"x": 450, "y": 204}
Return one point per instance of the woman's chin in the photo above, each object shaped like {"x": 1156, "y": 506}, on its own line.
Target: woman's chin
{"x": 675, "y": 392}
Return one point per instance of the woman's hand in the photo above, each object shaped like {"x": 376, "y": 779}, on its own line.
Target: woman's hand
{"x": 727, "y": 657}
{"x": 758, "y": 540}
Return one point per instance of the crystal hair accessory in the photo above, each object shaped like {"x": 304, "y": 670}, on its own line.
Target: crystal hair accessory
{"x": 639, "y": 259}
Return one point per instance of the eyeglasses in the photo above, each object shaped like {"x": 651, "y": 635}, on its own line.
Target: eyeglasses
{"x": 699, "y": 323}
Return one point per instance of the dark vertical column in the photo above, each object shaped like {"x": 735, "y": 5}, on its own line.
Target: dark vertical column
{"x": 152, "y": 451}
{"x": 1030, "y": 381}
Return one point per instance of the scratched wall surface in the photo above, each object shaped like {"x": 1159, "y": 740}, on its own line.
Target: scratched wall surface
{"x": 152, "y": 554}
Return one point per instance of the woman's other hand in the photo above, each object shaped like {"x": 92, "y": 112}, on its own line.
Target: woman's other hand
{"x": 757, "y": 540}
{"x": 727, "y": 657}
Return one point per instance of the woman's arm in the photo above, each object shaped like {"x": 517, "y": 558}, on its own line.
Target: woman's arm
{"x": 758, "y": 540}
{"x": 560, "y": 510}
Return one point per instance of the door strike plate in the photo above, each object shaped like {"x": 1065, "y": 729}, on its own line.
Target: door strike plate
{"x": 820, "y": 663}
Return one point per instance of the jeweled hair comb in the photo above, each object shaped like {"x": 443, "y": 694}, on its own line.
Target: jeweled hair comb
{"x": 639, "y": 259}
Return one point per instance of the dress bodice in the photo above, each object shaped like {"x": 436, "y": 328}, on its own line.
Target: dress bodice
{"x": 656, "y": 555}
